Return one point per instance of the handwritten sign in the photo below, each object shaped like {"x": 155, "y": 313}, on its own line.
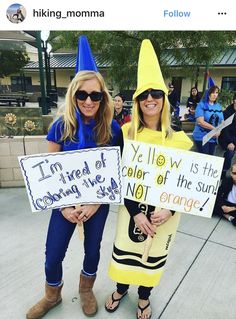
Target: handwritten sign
{"x": 56, "y": 180}
{"x": 217, "y": 129}
{"x": 165, "y": 177}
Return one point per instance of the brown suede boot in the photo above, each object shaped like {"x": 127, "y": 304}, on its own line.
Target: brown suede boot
{"x": 51, "y": 299}
{"x": 87, "y": 298}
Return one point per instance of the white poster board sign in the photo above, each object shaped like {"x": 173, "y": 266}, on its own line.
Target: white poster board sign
{"x": 217, "y": 129}
{"x": 171, "y": 178}
{"x": 56, "y": 180}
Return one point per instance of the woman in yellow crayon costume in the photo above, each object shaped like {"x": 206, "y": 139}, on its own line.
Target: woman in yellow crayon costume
{"x": 138, "y": 221}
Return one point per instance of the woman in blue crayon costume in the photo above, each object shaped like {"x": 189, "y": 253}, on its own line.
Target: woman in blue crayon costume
{"x": 137, "y": 220}
{"x": 86, "y": 123}
{"x": 208, "y": 116}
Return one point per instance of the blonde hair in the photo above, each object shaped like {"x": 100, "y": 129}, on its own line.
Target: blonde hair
{"x": 104, "y": 114}
{"x": 137, "y": 122}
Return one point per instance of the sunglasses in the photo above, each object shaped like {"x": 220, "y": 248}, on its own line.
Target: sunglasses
{"x": 155, "y": 94}
{"x": 94, "y": 96}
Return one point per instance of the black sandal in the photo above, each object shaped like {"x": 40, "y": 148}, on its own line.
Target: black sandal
{"x": 142, "y": 310}
{"x": 115, "y": 300}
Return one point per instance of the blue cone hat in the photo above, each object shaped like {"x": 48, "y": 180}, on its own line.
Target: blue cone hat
{"x": 85, "y": 60}
{"x": 210, "y": 83}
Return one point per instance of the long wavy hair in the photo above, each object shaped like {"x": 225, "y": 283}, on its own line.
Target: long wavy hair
{"x": 137, "y": 121}
{"x": 104, "y": 115}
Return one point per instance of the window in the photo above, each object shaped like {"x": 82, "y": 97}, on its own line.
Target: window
{"x": 18, "y": 80}
{"x": 229, "y": 83}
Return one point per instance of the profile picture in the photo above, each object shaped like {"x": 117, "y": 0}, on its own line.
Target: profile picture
{"x": 16, "y": 13}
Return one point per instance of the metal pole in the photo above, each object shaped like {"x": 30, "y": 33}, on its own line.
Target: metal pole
{"x": 205, "y": 79}
{"x": 41, "y": 74}
{"x": 55, "y": 79}
{"x": 48, "y": 89}
{"x": 197, "y": 76}
{"x": 49, "y": 73}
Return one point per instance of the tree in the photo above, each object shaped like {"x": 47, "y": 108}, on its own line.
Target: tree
{"x": 13, "y": 58}
{"x": 120, "y": 49}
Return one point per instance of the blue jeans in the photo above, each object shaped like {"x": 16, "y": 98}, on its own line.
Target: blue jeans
{"x": 208, "y": 148}
{"x": 59, "y": 234}
{"x": 228, "y": 155}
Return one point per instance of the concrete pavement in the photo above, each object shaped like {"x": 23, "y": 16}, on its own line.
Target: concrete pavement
{"x": 199, "y": 281}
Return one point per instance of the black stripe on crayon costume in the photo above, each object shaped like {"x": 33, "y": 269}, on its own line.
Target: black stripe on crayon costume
{"x": 136, "y": 263}
{"x": 133, "y": 259}
{"x": 120, "y": 252}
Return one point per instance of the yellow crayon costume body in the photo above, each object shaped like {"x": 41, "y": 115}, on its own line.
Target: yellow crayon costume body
{"x": 126, "y": 265}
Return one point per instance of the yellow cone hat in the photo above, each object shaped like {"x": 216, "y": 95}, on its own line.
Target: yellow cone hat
{"x": 149, "y": 72}
{"x": 149, "y": 77}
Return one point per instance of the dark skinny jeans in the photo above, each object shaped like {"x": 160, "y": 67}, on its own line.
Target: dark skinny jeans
{"x": 208, "y": 148}
{"x": 59, "y": 234}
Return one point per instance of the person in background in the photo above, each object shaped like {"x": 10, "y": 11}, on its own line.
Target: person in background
{"x": 208, "y": 116}
{"x": 227, "y": 138}
{"x": 86, "y": 123}
{"x": 173, "y": 100}
{"x": 190, "y": 116}
{"x": 150, "y": 124}
{"x": 226, "y": 197}
{"x": 191, "y": 105}
{"x": 121, "y": 115}
{"x": 193, "y": 99}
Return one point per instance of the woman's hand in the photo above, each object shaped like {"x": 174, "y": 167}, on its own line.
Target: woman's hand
{"x": 231, "y": 147}
{"x": 53, "y": 147}
{"x": 144, "y": 225}
{"x": 160, "y": 217}
{"x": 217, "y": 134}
{"x": 71, "y": 214}
{"x": 87, "y": 211}
{"x": 227, "y": 209}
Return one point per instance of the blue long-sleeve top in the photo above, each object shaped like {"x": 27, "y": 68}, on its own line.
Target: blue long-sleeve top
{"x": 212, "y": 114}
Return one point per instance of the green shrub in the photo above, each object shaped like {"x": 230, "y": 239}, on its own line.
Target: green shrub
{"x": 225, "y": 98}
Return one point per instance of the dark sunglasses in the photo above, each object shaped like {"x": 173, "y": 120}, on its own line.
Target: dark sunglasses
{"x": 155, "y": 94}
{"x": 94, "y": 96}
